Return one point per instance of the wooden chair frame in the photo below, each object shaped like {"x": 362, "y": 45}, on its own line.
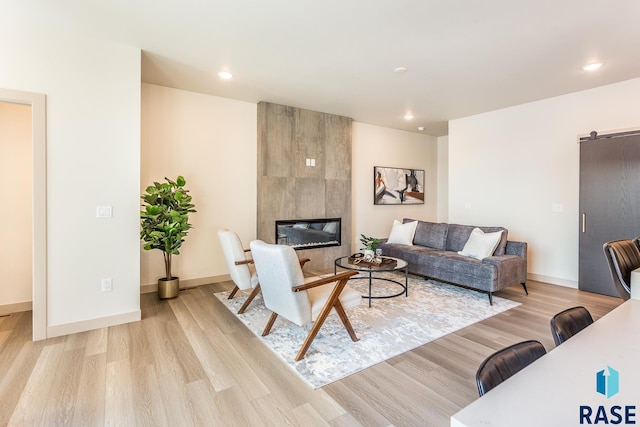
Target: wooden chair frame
{"x": 235, "y": 289}
{"x": 332, "y": 302}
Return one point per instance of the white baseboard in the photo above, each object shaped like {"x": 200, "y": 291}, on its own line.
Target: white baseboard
{"x": 187, "y": 283}
{"x": 88, "y": 325}
{"x": 15, "y": 308}
{"x": 553, "y": 280}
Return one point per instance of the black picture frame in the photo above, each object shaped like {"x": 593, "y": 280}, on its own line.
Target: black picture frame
{"x": 398, "y": 186}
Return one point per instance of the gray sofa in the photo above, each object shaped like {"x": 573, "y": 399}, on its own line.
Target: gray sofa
{"x": 434, "y": 254}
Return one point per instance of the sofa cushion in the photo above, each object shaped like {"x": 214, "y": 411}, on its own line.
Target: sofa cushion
{"x": 430, "y": 234}
{"x": 480, "y": 244}
{"x": 457, "y": 237}
{"x": 402, "y": 234}
{"x": 412, "y": 254}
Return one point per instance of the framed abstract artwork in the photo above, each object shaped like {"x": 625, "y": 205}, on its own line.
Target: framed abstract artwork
{"x": 398, "y": 186}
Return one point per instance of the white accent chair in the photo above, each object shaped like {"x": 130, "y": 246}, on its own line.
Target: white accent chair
{"x": 286, "y": 293}
{"x": 238, "y": 263}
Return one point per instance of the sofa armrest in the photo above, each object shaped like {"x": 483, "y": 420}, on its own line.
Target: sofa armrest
{"x": 516, "y": 248}
{"x": 500, "y": 260}
{"x": 510, "y": 268}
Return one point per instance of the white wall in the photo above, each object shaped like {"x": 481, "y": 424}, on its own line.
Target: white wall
{"x": 93, "y": 158}
{"x": 379, "y": 146}
{"x": 443, "y": 179}
{"x": 212, "y": 142}
{"x": 15, "y": 216}
{"x": 509, "y": 166}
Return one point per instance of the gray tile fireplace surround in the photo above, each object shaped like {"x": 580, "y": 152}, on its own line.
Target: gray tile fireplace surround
{"x": 289, "y": 189}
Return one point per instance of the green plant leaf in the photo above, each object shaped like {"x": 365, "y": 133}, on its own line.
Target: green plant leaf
{"x": 164, "y": 217}
{"x": 152, "y": 210}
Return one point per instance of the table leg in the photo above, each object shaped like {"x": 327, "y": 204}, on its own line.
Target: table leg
{"x": 369, "y": 288}
{"x": 406, "y": 281}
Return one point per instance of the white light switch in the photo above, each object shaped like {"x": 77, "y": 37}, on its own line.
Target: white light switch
{"x": 103, "y": 212}
{"x": 308, "y": 162}
{"x": 557, "y": 207}
{"x": 313, "y": 162}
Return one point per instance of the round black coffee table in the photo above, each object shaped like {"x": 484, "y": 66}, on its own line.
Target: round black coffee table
{"x": 347, "y": 263}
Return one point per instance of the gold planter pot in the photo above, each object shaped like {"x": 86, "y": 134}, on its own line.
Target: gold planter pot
{"x": 168, "y": 288}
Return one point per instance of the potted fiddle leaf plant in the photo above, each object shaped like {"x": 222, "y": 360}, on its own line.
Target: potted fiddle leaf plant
{"x": 370, "y": 244}
{"x": 164, "y": 220}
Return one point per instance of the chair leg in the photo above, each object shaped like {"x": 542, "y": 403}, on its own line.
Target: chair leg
{"x": 233, "y": 292}
{"x": 490, "y": 299}
{"x": 524, "y": 285}
{"x": 345, "y": 321}
{"x": 332, "y": 302}
{"x": 270, "y": 323}
{"x": 252, "y": 295}
{"x": 312, "y": 334}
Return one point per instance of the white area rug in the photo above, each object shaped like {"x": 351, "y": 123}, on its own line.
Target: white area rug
{"x": 390, "y": 327}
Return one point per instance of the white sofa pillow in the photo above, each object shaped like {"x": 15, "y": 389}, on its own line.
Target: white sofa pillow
{"x": 402, "y": 234}
{"x": 480, "y": 244}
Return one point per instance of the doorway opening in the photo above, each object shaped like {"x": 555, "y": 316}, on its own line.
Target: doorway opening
{"x": 16, "y": 216}
{"x": 37, "y": 105}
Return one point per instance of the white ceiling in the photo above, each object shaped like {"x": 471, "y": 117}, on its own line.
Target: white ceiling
{"x": 338, "y": 56}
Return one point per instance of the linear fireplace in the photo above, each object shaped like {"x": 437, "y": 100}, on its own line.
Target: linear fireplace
{"x": 309, "y": 233}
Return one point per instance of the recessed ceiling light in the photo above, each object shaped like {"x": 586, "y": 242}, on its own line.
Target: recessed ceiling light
{"x": 421, "y": 128}
{"x": 225, "y": 75}
{"x": 592, "y": 67}
{"x": 400, "y": 70}
{"x": 408, "y": 116}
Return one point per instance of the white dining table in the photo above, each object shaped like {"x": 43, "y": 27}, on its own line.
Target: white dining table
{"x": 560, "y": 386}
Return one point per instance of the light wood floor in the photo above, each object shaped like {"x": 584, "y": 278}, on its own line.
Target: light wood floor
{"x": 190, "y": 362}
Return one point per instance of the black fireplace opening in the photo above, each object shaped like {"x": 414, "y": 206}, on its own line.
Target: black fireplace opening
{"x": 309, "y": 233}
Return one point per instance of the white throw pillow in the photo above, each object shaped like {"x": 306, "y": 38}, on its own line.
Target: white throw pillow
{"x": 480, "y": 244}
{"x": 402, "y": 234}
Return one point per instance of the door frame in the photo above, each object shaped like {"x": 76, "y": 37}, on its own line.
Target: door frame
{"x": 39, "y": 204}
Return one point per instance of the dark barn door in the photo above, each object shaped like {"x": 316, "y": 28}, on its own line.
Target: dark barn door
{"x": 609, "y": 203}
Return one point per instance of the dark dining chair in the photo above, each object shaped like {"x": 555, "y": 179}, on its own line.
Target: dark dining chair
{"x": 505, "y": 363}
{"x": 623, "y": 256}
{"x": 569, "y": 322}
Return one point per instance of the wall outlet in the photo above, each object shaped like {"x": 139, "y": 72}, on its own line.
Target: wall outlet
{"x": 107, "y": 285}
{"x": 556, "y": 207}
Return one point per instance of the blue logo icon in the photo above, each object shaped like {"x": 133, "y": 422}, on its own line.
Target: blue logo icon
{"x": 608, "y": 382}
